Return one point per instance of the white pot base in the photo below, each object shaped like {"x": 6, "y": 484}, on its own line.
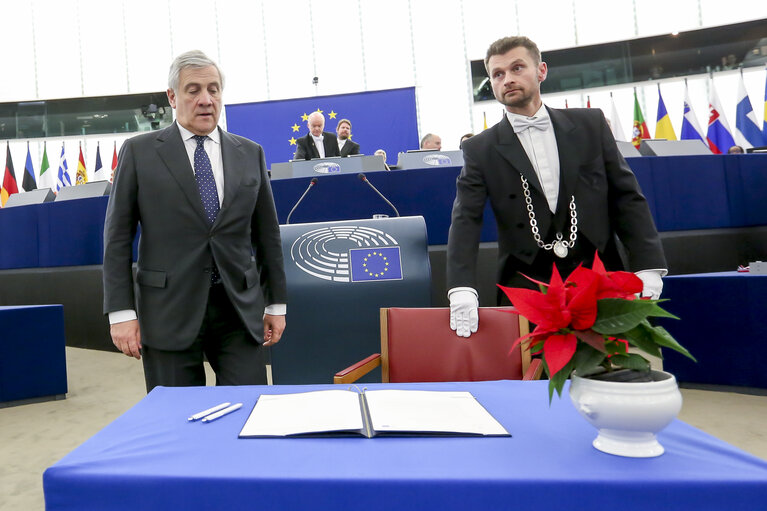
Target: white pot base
{"x": 637, "y": 445}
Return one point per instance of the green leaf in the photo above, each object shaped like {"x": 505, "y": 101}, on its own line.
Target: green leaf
{"x": 593, "y": 339}
{"x": 663, "y": 338}
{"x": 588, "y": 360}
{"x": 642, "y": 337}
{"x": 630, "y": 361}
{"x": 658, "y": 311}
{"x": 616, "y": 315}
{"x": 557, "y": 381}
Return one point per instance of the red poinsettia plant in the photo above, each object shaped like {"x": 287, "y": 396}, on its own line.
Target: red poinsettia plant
{"x": 587, "y": 322}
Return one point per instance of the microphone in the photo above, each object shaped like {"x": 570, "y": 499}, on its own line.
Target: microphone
{"x": 365, "y": 180}
{"x": 312, "y": 183}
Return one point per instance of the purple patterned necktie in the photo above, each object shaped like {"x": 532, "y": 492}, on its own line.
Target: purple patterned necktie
{"x": 203, "y": 173}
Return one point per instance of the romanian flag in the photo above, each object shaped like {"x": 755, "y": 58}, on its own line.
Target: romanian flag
{"x": 663, "y": 128}
{"x": 28, "y": 182}
{"x": 9, "y": 186}
{"x": 82, "y": 175}
{"x": 640, "y": 127}
{"x": 114, "y": 163}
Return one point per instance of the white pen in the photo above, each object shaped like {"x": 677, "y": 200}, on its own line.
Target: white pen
{"x": 202, "y": 414}
{"x": 223, "y": 412}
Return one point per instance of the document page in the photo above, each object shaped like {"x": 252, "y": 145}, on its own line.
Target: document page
{"x": 307, "y": 412}
{"x": 420, "y": 411}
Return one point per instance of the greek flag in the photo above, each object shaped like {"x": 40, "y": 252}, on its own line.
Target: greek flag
{"x": 63, "y": 178}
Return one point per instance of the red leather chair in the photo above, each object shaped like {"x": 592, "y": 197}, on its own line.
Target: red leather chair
{"x": 417, "y": 345}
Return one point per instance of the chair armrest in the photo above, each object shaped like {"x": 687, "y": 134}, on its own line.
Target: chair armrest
{"x": 534, "y": 370}
{"x": 356, "y": 371}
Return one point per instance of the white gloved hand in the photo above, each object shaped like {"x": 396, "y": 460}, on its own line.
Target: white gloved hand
{"x": 464, "y": 316}
{"x": 653, "y": 283}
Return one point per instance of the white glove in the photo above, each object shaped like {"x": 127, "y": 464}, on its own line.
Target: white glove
{"x": 653, "y": 283}
{"x": 464, "y": 316}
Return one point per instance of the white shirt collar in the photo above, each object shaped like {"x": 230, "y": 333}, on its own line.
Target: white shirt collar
{"x": 318, "y": 139}
{"x": 214, "y": 135}
{"x": 542, "y": 113}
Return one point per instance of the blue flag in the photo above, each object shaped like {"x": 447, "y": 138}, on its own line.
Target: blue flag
{"x": 379, "y": 263}
{"x": 29, "y": 182}
{"x": 383, "y": 119}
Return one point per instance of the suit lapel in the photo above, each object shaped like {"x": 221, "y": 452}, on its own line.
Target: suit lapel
{"x": 568, "y": 166}
{"x": 512, "y": 151}
{"x": 234, "y": 168}
{"x": 171, "y": 149}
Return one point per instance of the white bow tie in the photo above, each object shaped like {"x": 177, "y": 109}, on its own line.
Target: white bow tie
{"x": 520, "y": 124}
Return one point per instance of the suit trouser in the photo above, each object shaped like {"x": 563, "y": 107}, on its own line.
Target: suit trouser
{"x": 236, "y": 358}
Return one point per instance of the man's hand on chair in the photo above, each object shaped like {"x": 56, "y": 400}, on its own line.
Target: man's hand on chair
{"x": 464, "y": 316}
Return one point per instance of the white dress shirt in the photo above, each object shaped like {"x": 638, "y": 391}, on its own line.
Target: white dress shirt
{"x": 541, "y": 148}
{"x": 320, "y": 145}
{"x": 212, "y": 146}
{"x": 341, "y": 144}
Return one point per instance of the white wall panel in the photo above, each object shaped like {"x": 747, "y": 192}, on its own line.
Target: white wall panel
{"x": 547, "y": 22}
{"x": 386, "y": 37}
{"x": 716, "y": 12}
{"x": 289, "y": 49}
{"x": 601, "y": 21}
{"x": 147, "y": 34}
{"x": 655, "y": 17}
{"x": 103, "y": 48}
{"x": 486, "y": 22}
{"x": 57, "y": 49}
{"x": 338, "y": 48}
{"x": 193, "y": 26}
{"x": 243, "y": 52}
{"x": 19, "y": 56}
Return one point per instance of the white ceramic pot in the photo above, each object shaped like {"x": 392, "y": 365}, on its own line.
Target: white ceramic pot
{"x": 628, "y": 414}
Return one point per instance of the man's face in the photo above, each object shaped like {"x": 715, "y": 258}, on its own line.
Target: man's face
{"x": 198, "y": 99}
{"x": 516, "y": 80}
{"x": 434, "y": 142}
{"x": 316, "y": 125}
{"x": 343, "y": 130}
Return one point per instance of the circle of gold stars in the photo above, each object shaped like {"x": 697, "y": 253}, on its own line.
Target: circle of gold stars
{"x": 367, "y": 270}
{"x": 304, "y": 118}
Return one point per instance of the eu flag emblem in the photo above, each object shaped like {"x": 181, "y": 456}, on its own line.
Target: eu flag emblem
{"x": 379, "y": 263}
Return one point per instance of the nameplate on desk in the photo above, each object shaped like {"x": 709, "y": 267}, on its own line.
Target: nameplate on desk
{"x": 370, "y": 413}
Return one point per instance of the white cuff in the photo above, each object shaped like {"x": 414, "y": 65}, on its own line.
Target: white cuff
{"x": 459, "y": 289}
{"x": 276, "y": 309}
{"x": 122, "y": 316}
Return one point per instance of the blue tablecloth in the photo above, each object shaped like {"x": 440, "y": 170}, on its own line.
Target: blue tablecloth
{"x": 684, "y": 193}
{"x": 722, "y": 324}
{"x": 151, "y": 458}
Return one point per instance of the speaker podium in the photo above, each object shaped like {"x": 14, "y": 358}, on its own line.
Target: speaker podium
{"x": 339, "y": 275}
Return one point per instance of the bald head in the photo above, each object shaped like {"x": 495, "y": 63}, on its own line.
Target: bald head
{"x": 316, "y": 123}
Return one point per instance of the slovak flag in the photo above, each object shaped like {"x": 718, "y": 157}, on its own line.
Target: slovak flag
{"x": 719, "y": 135}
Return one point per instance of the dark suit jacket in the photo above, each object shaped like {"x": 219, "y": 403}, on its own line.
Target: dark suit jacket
{"x": 350, "y": 148}
{"x": 155, "y": 187}
{"x": 607, "y": 196}
{"x": 306, "y": 149}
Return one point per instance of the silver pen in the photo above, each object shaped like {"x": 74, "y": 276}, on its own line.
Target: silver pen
{"x": 223, "y": 412}
{"x": 209, "y": 411}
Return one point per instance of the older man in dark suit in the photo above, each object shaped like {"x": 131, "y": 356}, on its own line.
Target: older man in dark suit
{"x": 558, "y": 186}
{"x": 317, "y": 143}
{"x": 210, "y": 256}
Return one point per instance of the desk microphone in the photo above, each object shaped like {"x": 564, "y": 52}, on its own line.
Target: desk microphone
{"x": 312, "y": 183}
{"x": 365, "y": 180}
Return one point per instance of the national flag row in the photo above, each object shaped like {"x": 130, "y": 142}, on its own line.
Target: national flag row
{"x": 49, "y": 178}
{"x": 718, "y": 137}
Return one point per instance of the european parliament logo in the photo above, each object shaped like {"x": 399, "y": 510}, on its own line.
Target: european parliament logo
{"x": 382, "y": 263}
{"x": 348, "y": 253}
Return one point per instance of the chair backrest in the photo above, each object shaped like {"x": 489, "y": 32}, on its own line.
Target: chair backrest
{"x": 417, "y": 344}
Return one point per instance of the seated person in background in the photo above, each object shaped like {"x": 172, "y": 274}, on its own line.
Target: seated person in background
{"x": 431, "y": 141}
{"x": 345, "y": 144}
{"x": 468, "y": 135}
{"x": 381, "y": 152}
{"x": 736, "y": 149}
{"x": 317, "y": 143}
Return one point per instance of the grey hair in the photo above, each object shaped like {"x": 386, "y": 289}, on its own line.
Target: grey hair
{"x": 194, "y": 59}
{"x": 427, "y": 138}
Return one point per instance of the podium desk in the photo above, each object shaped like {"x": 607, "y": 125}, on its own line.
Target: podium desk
{"x": 151, "y": 458}
{"x": 722, "y": 325}
{"x": 327, "y": 166}
{"x": 429, "y": 158}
